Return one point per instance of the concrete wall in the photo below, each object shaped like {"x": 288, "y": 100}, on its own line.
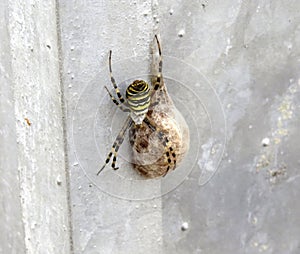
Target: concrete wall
{"x": 12, "y": 236}
{"x": 232, "y": 69}
{"x": 34, "y": 211}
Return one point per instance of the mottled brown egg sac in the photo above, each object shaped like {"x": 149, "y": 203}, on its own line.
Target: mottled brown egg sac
{"x": 148, "y": 151}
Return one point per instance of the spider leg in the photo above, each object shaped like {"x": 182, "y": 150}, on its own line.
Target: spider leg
{"x": 155, "y": 103}
{"x": 157, "y": 82}
{"x": 116, "y": 102}
{"x": 169, "y": 151}
{"x": 116, "y": 145}
{"x": 113, "y": 81}
{"x": 173, "y": 156}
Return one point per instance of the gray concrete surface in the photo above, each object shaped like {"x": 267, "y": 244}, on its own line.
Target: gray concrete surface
{"x": 232, "y": 68}
{"x": 249, "y": 51}
{"x": 34, "y": 210}
{"x": 102, "y": 223}
{"x": 12, "y": 233}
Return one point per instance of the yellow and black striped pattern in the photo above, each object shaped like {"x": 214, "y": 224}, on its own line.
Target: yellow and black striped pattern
{"x": 138, "y": 97}
{"x": 137, "y": 103}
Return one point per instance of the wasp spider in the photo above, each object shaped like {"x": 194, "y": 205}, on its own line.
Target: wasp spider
{"x": 150, "y": 112}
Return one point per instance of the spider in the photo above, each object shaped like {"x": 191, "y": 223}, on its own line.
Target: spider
{"x": 139, "y": 102}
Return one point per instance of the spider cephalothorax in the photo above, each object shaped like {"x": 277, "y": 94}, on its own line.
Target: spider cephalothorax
{"x": 158, "y": 134}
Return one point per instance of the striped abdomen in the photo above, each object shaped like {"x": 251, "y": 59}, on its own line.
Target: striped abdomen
{"x": 138, "y": 99}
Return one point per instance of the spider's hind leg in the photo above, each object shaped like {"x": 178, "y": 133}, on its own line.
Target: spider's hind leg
{"x": 169, "y": 151}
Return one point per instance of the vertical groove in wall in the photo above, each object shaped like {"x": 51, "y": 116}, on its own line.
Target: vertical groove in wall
{"x": 63, "y": 108}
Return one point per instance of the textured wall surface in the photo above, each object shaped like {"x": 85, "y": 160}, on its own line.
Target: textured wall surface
{"x": 33, "y": 185}
{"x": 103, "y": 223}
{"x": 248, "y": 50}
{"x": 12, "y": 235}
{"x": 232, "y": 69}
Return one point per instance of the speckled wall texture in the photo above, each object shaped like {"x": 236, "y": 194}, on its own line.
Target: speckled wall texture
{"x": 232, "y": 70}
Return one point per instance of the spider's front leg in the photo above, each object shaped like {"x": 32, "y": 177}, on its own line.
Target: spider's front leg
{"x": 157, "y": 82}
{"x": 113, "y": 81}
{"x": 116, "y": 145}
{"x": 159, "y": 89}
